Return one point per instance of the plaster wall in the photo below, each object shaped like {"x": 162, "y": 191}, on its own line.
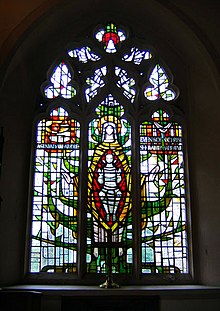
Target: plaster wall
{"x": 195, "y": 74}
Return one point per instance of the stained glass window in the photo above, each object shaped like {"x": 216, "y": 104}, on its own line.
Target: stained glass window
{"x": 109, "y": 180}
{"x": 160, "y": 82}
{"x": 83, "y": 54}
{"x": 126, "y": 83}
{"x": 95, "y": 83}
{"x": 60, "y": 83}
{"x": 110, "y": 36}
{"x": 163, "y": 202}
{"x": 109, "y": 188}
{"x": 55, "y": 197}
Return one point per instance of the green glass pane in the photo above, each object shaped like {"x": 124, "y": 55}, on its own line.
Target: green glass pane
{"x": 55, "y": 200}
{"x": 163, "y": 208}
{"x": 109, "y": 190}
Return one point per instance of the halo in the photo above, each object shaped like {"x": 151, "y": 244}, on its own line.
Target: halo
{"x": 111, "y": 119}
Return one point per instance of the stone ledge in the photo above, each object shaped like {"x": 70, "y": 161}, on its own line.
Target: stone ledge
{"x": 83, "y": 290}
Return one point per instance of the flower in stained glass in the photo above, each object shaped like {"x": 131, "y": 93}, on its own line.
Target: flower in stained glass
{"x": 110, "y": 36}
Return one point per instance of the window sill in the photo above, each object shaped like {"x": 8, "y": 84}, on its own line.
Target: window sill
{"x": 159, "y": 290}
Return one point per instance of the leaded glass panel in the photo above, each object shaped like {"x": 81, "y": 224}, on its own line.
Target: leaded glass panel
{"x": 109, "y": 182}
{"x": 55, "y": 198}
{"x": 109, "y": 218}
{"x": 163, "y": 200}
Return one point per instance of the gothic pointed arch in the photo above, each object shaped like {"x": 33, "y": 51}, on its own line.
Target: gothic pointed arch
{"x": 111, "y": 126}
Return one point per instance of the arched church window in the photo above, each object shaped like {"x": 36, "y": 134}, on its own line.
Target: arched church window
{"x": 109, "y": 180}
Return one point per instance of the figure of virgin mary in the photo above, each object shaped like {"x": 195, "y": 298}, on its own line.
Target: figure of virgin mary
{"x": 109, "y": 185}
